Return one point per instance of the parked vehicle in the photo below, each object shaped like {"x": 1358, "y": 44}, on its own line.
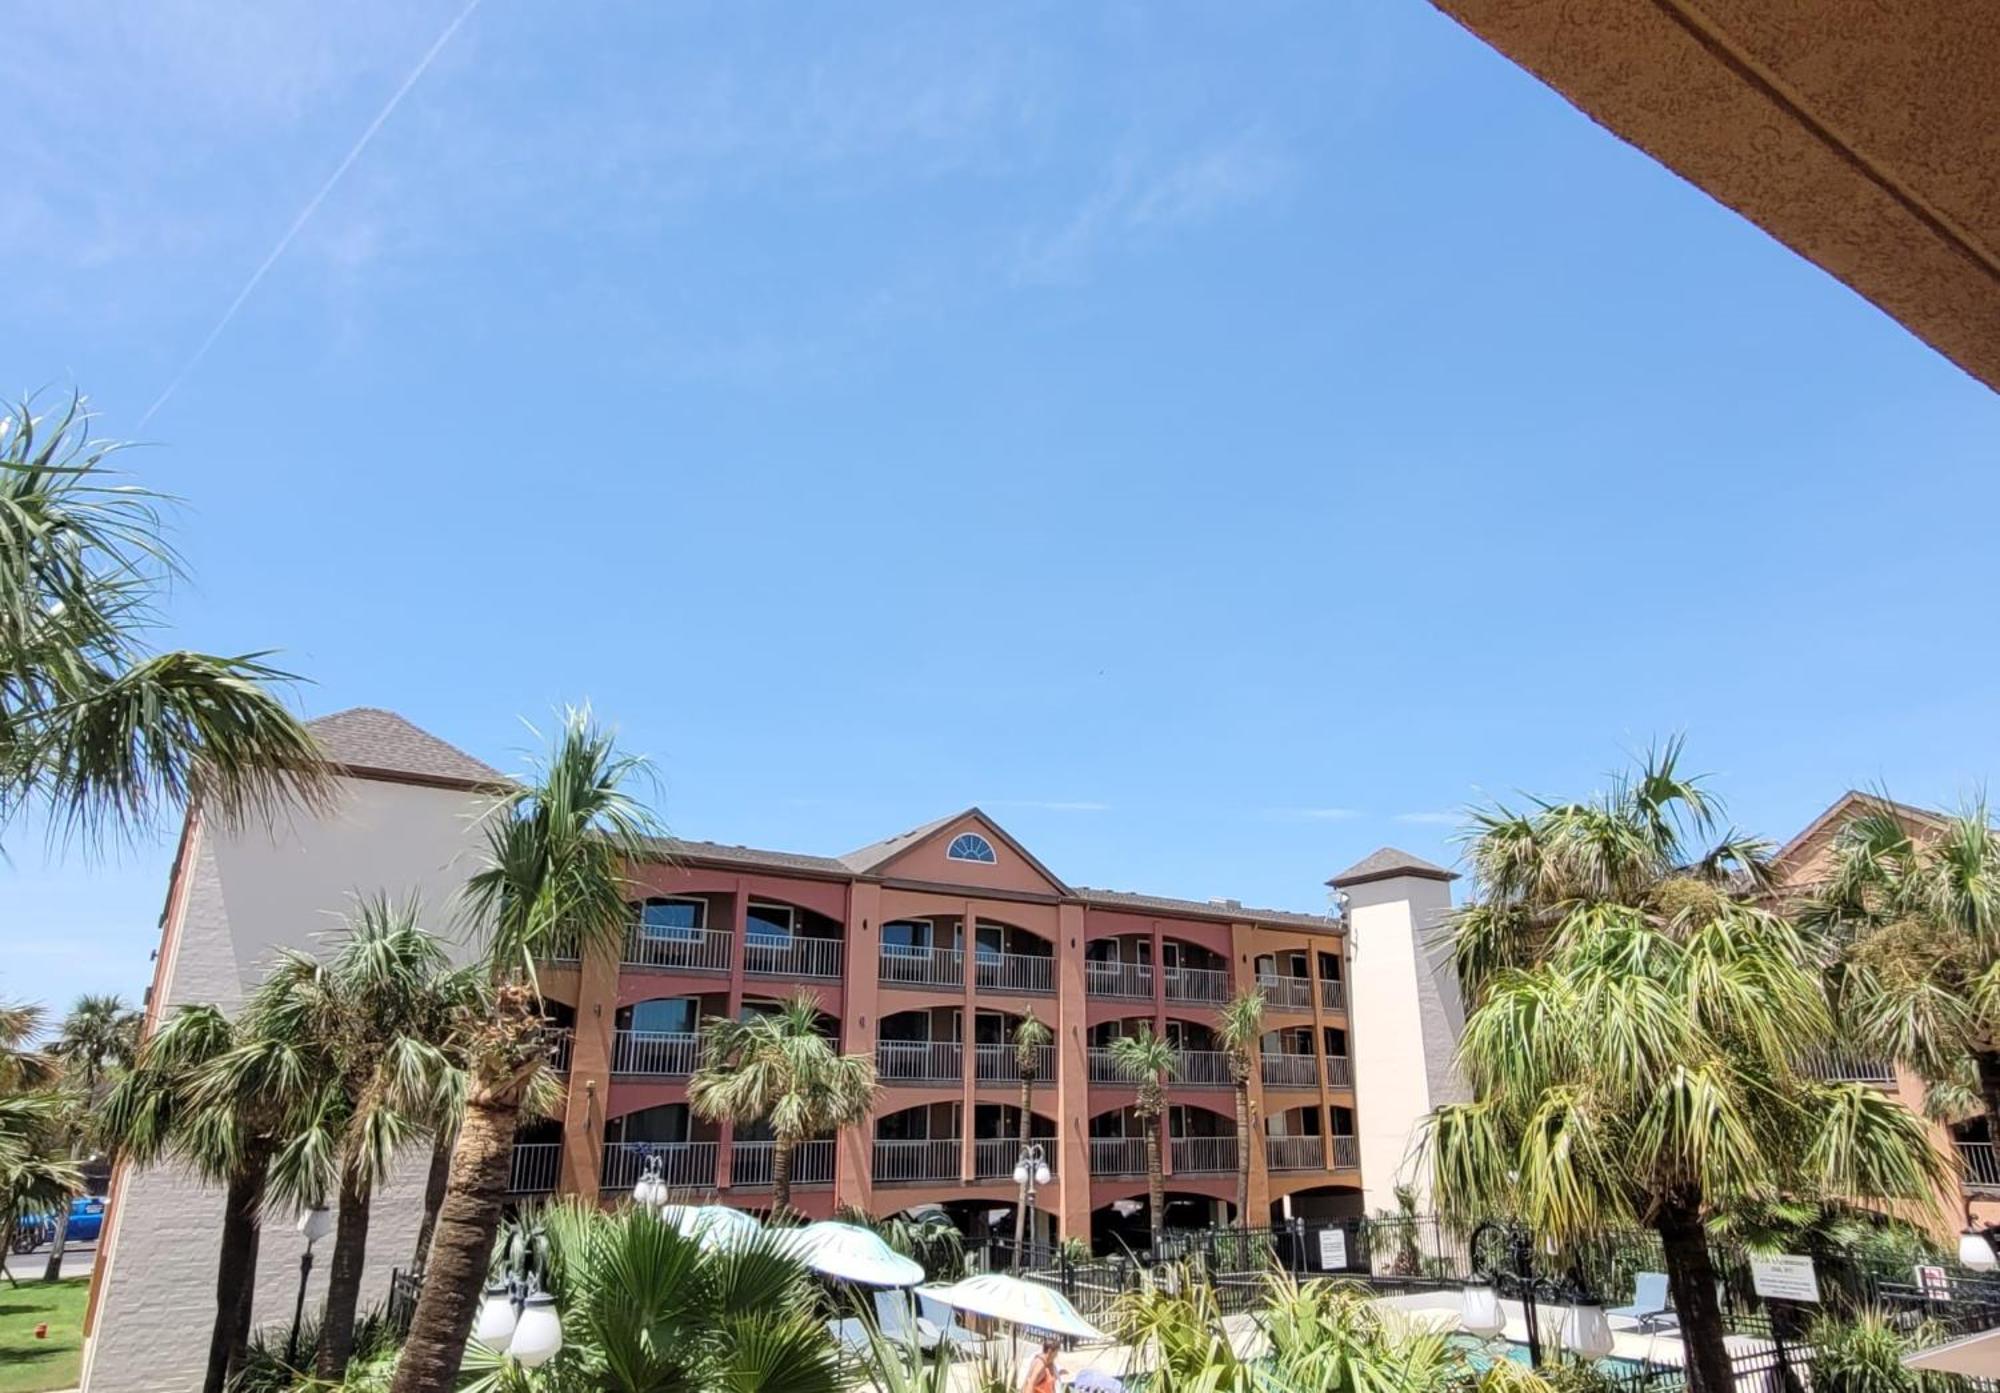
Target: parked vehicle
{"x": 86, "y": 1219}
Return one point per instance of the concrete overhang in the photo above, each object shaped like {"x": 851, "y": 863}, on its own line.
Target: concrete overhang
{"x": 1863, "y": 134}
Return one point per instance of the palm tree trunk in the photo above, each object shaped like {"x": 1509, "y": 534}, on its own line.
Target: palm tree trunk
{"x": 781, "y": 1173}
{"x": 434, "y": 1183}
{"x": 1156, "y": 1183}
{"x": 343, "y": 1277}
{"x": 1691, "y": 1280}
{"x": 235, "y": 1275}
{"x": 53, "y": 1272}
{"x": 467, "y": 1223}
{"x": 1021, "y": 1200}
{"x": 1243, "y": 1155}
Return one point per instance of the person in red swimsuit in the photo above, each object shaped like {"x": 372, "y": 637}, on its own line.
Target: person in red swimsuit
{"x": 1042, "y": 1373}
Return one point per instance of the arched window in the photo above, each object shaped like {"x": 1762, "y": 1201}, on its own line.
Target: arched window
{"x": 970, "y": 846}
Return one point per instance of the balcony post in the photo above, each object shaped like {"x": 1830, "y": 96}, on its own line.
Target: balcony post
{"x": 968, "y": 1052}
{"x": 1072, "y": 1080}
{"x": 854, "y": 1147}
{"x": 1319, "y": 1048}
{"x": 739, "y": 943}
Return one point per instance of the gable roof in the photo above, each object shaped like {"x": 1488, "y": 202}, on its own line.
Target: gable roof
{"x": 1850, "y": 805}
{"x": 369, "y": 742}
{"x": 1387, "y": 862}
{"x": 872, "y": 859}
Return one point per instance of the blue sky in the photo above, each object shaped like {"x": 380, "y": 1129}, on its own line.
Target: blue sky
{"x": 1217, "y": 442}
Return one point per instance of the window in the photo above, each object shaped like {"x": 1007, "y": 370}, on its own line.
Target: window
{"x": 664, "y": 1125}
{"x": 970, "y": 846}
{"x": 673, "y": 921}
{"x": 907, "y": 937}
{"x": 770, "y": 925}
{"x": 664, "y": 1015}
{"x": 1343, "y": 1121}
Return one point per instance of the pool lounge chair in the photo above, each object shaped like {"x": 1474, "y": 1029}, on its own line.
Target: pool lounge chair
{"x": 944, "y": 1320}
{"x": 900, "y": 1322}
{"x": 1651, "y": 1308}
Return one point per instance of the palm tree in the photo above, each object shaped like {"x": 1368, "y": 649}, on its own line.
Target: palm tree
{"x": 778, "y": 1068}
{"x": 37, "y": 1174}
{"x": 1242, "y": 1032}
{"x": 375, "y": 1028}
{"x": 99, "y": 1035}
{"x": 186, "y": 1101}
{"x": 557, "y": 847}
{"x": 1635, "y": 1041}
{"x": 1149, "y": 1060}
{"x": 1913, "y": 925}
{"x": 23, "y": 1064}
{"x": 95, "y": 730}
{"x": 1030, "y": 1036}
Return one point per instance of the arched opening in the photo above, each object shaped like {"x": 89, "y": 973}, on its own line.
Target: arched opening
{"x": 996, "y": 1140}
{"x": 788, "y": 940}
{"x": 1295, "y": 1140}
{"x": 918, "y": 1145}
{"x": 537, "y": 1160}
{"x": 1117, "y": 1144}
{"x": 660, "y": 1037}
{"x": 1124, "y": 1225}
{"x": 559, "y": 1029}
{"x": 1201, "y": 1141}
{"x": 1012, "y": 959}
{"x": 683, "y": 1144}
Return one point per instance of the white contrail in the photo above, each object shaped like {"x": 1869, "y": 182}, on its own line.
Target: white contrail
{"x": 312, "y": 206}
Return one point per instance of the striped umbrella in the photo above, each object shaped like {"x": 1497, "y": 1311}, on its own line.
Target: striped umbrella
{"x": 1016, "y": 1301}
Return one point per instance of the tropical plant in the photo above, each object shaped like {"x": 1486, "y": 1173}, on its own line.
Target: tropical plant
{"x": 1030, "y": 1038}
{"x": 1635, "y": 1040}
{"x": 373, "y": 1028}
{"x": 37, "y": 1175}
{"x": 1241, "y": 1029}
{"x": 184, "y": 1102}
{"x": 1913, "y": 925}
{"x": 926, "y": 1236}
{"x": 645, "y": 1310}
{"x": 1863, "y": 1353}
{"x": 778, "y": 1068}
{"x": 24, "y": 1064}
{"x": 97, "y": 1040}
{"x": 557, "y": 848}
{"x": 1149, "y": 1060}
{"x": 101, "y": 734}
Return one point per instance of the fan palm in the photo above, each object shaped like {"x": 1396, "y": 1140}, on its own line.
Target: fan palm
{"x": 1241, "y": 1028}
{"x": 1149, "y": 1060}
{"x": 99, "y": 1035}
{"x": 556, "y": 851}
{"x": 375, "y": 1027}
{"x": 777, "y": 1068}
{"x": 1030, "y": 1037}
{"x": 36, "y": 1172}
{"x": 1914, "y": 929}
{"x": 94, "y": 729}
{"x": 1634, "y": 1044}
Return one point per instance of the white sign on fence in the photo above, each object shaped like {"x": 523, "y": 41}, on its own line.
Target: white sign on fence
{"x": 1333, "y": 1249}
{"x": 1785, "y": 1278}
{"x": 1933, "y": 1283}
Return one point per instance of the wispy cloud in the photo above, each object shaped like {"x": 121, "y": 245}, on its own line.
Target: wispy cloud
{"x": 1437, "y": 818}
{"x": 1055, "y": 805}
{"x": 1315, "y": 814}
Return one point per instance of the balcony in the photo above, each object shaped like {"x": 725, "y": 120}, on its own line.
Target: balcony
{"x": 1121, "y": 981}
{"x": 656, "y": 1054}
{"x": 916, "y": 1162}
{"x": 1204, "y": 984}
{"x": 1295, "y": 1153}
{"x": 561, "y": 1040}
{"x": 1117, "y": 1156}
{"x": 684, "y": 1164}
{"x": 534, "y": 1168}
{"x": 1332, "y": 994}
{"x": 917, "y": 1061}
{"x": 677, "y": 950}
{"x": 1830, "y": 1067}
{"x": 1002, "y": 1063}
{"x": 1285, "y": 992}
{"x": 799, "y": 956}
{"x": 1982, "y": 1165}
{"x": 1203, "y": 1155}
{"x": 1346, "y": 1153}
{"x": 1340, "y": 1071}
{"x": 993, "y": 1158}
{"x": 750, "y": 1164}
{"x": 1104, "y": 1068}
{"x": 1291, "y": 1070}
{"x": 904, "y": 966}
{"x": 1205, "y": 1069}
{"x": 1014, "y": 972}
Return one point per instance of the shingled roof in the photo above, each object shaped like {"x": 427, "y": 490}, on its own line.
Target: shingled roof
{"x": 370, "y": 742}
{"x": 1205, "y": 909}
{"x": 1386, "y": 862}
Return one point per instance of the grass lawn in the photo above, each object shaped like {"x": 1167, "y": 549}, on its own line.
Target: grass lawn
{"x": 28, "y": 1365}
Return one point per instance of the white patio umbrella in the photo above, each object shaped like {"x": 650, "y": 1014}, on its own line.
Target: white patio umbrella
{"x": 1016, "y": 1301}
{"x": 850, "y": 1253}
{"x": 713, "y": 1225}
{"x": 1975, "y": 1356}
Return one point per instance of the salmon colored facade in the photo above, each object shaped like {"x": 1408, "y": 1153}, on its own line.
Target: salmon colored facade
{"x": 880, "y": 940}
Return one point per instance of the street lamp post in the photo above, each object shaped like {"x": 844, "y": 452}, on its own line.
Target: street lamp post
{"x": 1509, "y": 1268}
{"x": 517, "y": 1318}
{"x": 314, "y": 1224}
{"x": 1030, "y": 1171}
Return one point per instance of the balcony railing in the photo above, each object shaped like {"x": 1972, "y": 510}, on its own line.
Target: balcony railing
{"x": 684, "y": 1164}
{"x": 1117, "y": 1155}
{"x": 1015, "y": 972}
{"x": 668, "y": 1054}
{"x": 1203, "y": 1155}
{"x": 1103, "y": 1068}
{"x": 993, "y": 1158}
{"x": 1339, "y": 1071}
{"x": 1197, "y": 984}
{"x": 561, "y": 1040}
{"x": 750, "y": 1164}
{"x": 1285, "y": 991}
{"x": 1982, "y": 1165}
{"x": 1291, "y": 1070}
{"x": 771, "y": 956}
{"x": 904, "y": 966}
{"x": 677, "y": 950}
{"x": 1295, "y": 1153}
{"x": 915, "y": 1061}
{"x": 915, "y": 1162}
{"x": 1844, "y": 1068}
{"x": 1002, "y": 1063}
{"x": 534, "y": 1168}
{"x": 1205, "y": 1069}
{"x": 1128, "y": 981}
{"x": 1346, "y": 1153}
{"x": 1332, "y": 994}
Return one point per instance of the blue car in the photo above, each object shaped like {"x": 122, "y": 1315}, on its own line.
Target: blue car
{"x": 86, "y": 1218}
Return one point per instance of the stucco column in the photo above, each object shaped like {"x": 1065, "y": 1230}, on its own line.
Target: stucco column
{"x": 725, "y": 1141}
{"x": 968, "y": 1051}
{"x": 1071, "y": 1028}
{"x": 854, "y": 1151}
{"x": 1243, "y": 975}
{"x": 590, "y": 1071}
